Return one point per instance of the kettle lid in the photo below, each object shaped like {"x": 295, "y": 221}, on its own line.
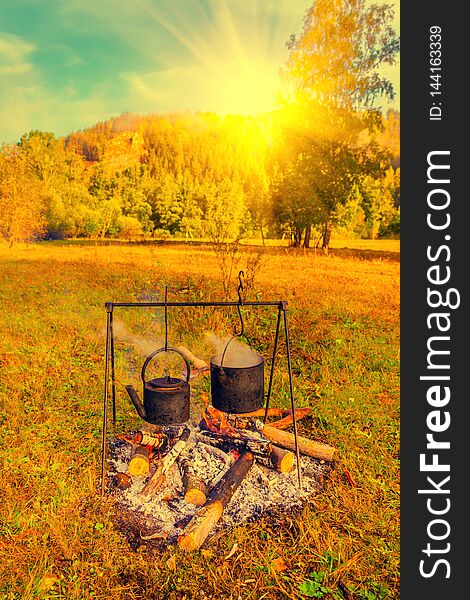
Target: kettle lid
{"x": 165, "y": 383}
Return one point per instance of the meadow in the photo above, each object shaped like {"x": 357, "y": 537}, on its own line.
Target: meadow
{"x": 57, "y": 539}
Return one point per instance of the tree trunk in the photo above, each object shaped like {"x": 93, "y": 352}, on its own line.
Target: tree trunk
{"x": 308, "y": 235}
{"x": 296, "y": 237}
{"x": 326, "y": 236}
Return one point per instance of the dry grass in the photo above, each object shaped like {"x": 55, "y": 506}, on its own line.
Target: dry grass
{"x": 56, "y": 534}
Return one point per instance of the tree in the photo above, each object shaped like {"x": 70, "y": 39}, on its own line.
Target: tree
{"x": 333, "y": 74}
{"x": 21, "y": 198}
{"x": 336, "y": 59}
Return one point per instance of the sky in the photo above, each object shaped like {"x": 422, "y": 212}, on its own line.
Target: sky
{"x": 67, "y": 64}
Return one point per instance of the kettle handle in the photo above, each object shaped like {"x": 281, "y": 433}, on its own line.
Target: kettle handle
{"x": 168, "y": 349}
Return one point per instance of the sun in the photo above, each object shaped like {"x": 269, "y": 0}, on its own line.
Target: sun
{"x": 245, "y": 88}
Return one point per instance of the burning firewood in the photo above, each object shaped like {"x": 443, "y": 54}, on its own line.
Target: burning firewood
{"x": 300, "y": 413}
{"x": 272, "y": 412}
{"x": 276, "y": 412}
{"x": 162, "y": 466}
{"x": 231, "y": 426}
{"x": 195, "y": 488}
{"x": 201, "y": 524}
{"x": 245, "y": 441}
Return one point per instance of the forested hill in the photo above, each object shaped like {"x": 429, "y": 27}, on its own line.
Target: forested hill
{"x": 198, "y": 175}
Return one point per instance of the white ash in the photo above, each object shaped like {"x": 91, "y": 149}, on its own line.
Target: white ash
{"x": 263, "y": 492}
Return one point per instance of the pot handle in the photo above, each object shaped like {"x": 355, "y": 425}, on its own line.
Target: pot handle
{"x": 225, "y": 350}
{"x": 168, "y": 349}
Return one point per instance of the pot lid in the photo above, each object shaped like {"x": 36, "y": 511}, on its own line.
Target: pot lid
{"x": 167, "y": 383}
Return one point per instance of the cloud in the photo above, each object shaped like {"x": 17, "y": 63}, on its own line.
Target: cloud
{"x": 31, "y": 105}
{"x": 14, "y": 54}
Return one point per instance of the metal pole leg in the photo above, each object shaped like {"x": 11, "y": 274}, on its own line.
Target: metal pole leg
{"x": 276, "y": 339}
{"x": 291, "y": 387}
{"x": 105, "y": 399}
{"x": 113, "y": 379}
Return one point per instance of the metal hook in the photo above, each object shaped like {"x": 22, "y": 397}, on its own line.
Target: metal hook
{"x": 166, "y": 318}
{"x": 240, "y": 303}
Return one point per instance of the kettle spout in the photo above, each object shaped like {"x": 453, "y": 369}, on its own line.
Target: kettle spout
{"x": 133, "y": 395}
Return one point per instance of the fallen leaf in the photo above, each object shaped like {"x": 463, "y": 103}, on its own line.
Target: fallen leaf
{"x": 207, "y": 553}
{"x": 350, "y": 478}
{"x": 171, "y": 563}
{"x": 278, "y": 564}
{"x": 232, "y": 551}
{"x": 47, "y": 582}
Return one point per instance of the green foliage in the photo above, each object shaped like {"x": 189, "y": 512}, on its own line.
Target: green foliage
{"x": 375, "y": 592}
{"x": 196, "y": 176}
{"x": 336, "y": 58}
{"x": 22, "y": 198}
{"x": 315, "y": 587}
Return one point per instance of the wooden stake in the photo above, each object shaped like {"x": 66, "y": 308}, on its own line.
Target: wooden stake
{"x": 197, "y": 362}
{"x": 306, "y": 446}
{"x": 207, "y": 516}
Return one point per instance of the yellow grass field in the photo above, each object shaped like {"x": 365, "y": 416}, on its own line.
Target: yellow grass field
{"x": 57, "y": 539}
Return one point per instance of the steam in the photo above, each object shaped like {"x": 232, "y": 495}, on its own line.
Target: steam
{"x": 237, "y": 354}
{"x": 142, "y": 345}
{"x": 145, "y": 346}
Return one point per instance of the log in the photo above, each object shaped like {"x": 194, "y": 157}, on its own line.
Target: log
{"x": 272, "y": 412}
{"x": 306, "y": 446}
{"x": 153, "y": 484}
{"x": 157, "y": 440}
{"x": 201, "y": 524}
{"x": 158, "y": 478}
{"x": 197, "y": 362}
{"x": 139, "y": 463}
{"x": 195, "y": 488}
{"x": 279, "y": 459}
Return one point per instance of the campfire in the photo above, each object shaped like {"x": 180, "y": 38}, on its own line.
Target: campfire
{"x": 183, "y": 478}
{"x": 188, "y": 483}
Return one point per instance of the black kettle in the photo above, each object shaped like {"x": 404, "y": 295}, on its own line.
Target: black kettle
{"x": 166, "y": 399}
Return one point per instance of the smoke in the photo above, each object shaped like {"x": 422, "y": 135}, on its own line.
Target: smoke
{"x": 237, "y": 354}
